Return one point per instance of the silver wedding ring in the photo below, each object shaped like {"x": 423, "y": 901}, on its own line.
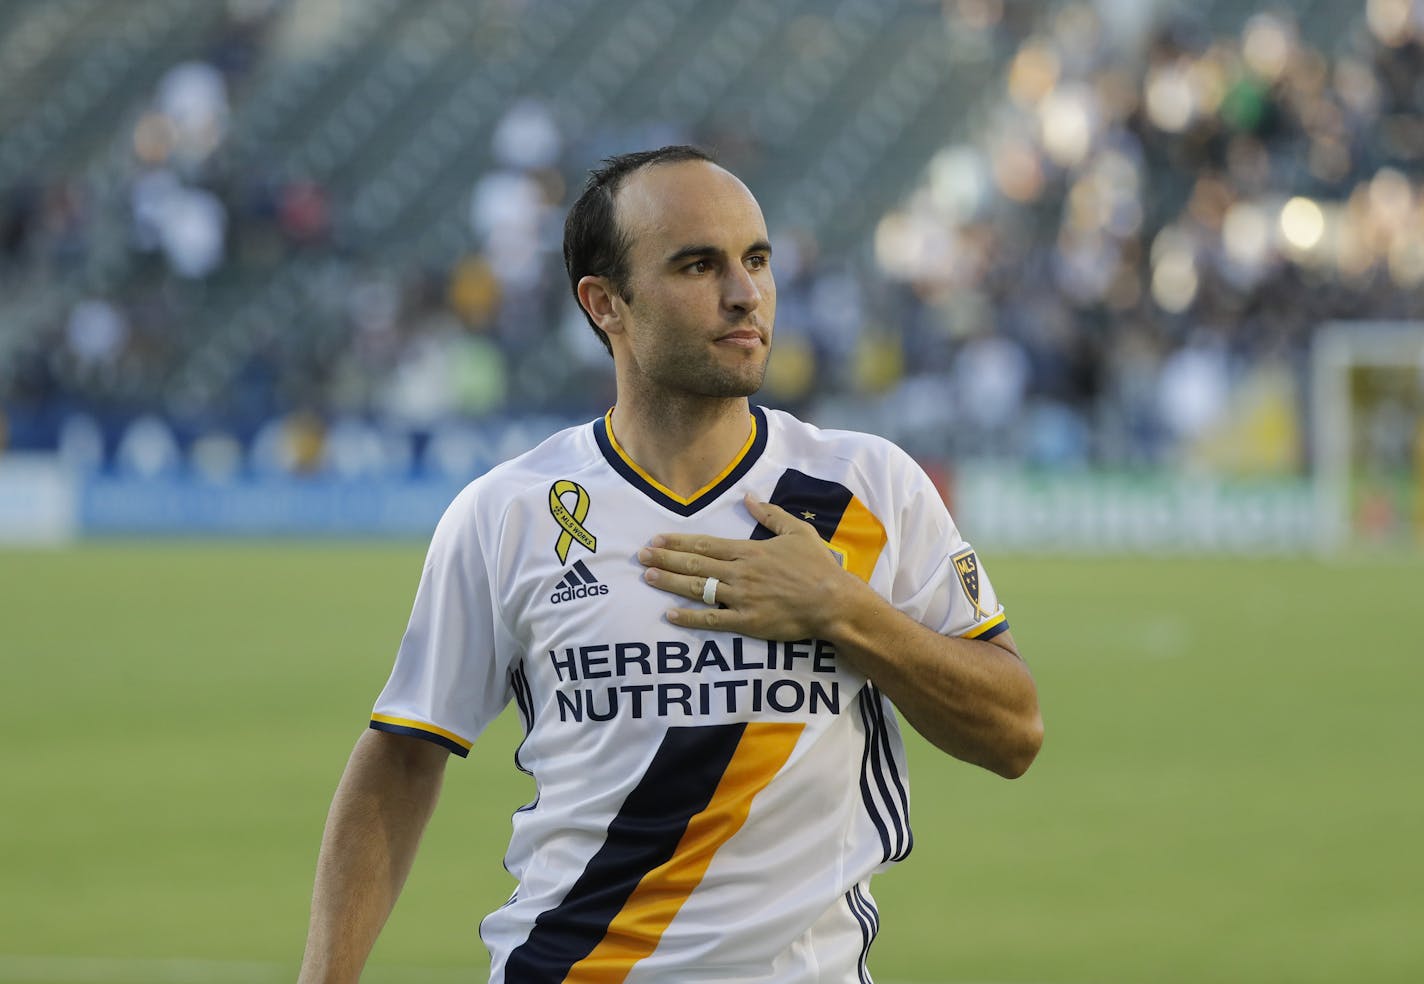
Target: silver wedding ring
{"x": 709, "y": 591}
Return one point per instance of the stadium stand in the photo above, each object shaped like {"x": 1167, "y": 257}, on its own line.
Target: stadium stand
{"x": 1039, "y": 232}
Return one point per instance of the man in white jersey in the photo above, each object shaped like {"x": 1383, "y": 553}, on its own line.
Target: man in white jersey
{"x": 704, "y": 611}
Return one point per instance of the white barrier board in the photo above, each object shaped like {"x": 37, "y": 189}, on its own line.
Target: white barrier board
{"x": 38, "y": 500}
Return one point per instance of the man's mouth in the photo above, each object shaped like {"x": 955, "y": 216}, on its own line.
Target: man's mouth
{"x": 742, "y": 337}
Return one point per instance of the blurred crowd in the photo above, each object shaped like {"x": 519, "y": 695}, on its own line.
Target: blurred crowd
{"x": 1128, "y": 261}
{"x": 1122, "y": 265}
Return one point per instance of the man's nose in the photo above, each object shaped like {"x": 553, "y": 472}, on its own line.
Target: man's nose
{"x": 740, "y": 291}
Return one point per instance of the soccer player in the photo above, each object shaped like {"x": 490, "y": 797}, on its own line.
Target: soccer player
{"x": 706, "y": 612}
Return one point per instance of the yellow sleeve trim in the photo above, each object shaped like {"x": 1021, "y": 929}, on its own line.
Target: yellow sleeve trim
{"x": 983, "y": 627}
{"x": 423, "y": 726}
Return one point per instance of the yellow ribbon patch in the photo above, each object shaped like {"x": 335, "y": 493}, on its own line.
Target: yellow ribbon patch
{"x": 572, "y": 522}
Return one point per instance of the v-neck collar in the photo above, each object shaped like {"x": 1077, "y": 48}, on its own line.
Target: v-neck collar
{"x": 661, "y": 494}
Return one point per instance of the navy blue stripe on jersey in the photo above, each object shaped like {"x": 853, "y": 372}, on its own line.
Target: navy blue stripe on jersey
{"x": 862, "y": 971}
{"x": 900, "y": 804}
{"x": 581, "y": 569}
{"x": 875, "y": 711}
{"x": 869, "y": 908}
{"x": 678, "y": 784}
{"x": 881, "y": 789}
{"x": 867, "y": 797}
{"x": 868, "y": 917}
{"x": 622, "y": 467}
{"x": 520, "y": 685}
{"x": 873, "y": 914}
{"x": 819, "y": 502}
{"x": 524, "y": 696}
{"x": 441, "y": 740}
{"x": 995, "y": 630}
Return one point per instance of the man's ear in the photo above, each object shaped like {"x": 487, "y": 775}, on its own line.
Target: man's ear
{"x": 596, "y": 296}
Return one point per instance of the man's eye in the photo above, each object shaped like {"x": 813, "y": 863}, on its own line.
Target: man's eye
{"x": 757, "y": 261}
{"x": 701, "y": 266}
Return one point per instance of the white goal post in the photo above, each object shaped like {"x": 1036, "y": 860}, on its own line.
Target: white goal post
{"x": 1367, "y": 427}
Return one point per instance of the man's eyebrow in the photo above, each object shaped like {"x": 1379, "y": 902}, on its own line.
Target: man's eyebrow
{"x": 699, "y": 250}
{"x": 692, "y": 252}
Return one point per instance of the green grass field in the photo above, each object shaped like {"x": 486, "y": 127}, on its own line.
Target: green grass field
{"x": 1230, "y": 789}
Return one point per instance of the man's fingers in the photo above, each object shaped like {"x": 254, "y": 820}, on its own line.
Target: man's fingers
{"x": 774, "y": 518}
{"x": 682, "y": 562}
{"x": 686, "y": 585}
{"x": 715, "y": 547}
{"x": 716, "y": 619}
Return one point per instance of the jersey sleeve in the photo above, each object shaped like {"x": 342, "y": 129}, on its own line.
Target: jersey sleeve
{"x": 940, "y": 581}
{"x": 448, "y": 683}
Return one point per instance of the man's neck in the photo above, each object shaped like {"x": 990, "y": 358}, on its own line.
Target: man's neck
{"x": 683, "y": 444}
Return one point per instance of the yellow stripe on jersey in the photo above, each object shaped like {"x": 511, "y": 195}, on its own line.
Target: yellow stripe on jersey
{"x": 423, "y": 726}
{"x": 736, "y": 460}
{"x": 860, "y": 538}
{"x": 637, "y": 929}
{"x": 980, "y": 629}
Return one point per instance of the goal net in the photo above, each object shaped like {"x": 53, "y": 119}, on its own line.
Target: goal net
{"x": 1368, "y": 434}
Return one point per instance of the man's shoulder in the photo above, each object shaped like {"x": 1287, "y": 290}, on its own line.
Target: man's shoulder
{"x": 560, "y": 455}
{"x": 810, "y": 442}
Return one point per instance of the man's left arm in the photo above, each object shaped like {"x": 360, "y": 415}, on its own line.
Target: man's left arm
{"x": 972, "y": 698}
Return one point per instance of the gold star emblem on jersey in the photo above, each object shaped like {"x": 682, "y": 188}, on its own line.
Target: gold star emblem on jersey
{"x": 808, "y": 515}
{"x": 966, "y": 565}
{"x": 570, "y": 520}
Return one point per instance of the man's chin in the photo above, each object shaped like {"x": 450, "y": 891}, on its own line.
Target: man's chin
{"x": 719, "y": 381}
{"x": 745, "y": 386}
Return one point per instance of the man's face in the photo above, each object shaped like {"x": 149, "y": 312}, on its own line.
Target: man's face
{"x": 703, "y": 298}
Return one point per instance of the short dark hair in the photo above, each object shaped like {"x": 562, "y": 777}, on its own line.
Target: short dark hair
{"x": 594, "y": 245}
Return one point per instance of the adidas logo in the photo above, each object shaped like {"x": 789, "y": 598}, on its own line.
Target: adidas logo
{"x": 578, "y": 582}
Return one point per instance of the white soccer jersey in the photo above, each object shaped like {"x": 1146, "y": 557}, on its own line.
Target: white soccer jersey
{"x": 710, "y": 806}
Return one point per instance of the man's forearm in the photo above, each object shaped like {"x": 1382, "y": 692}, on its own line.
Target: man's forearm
{"x": 975, "y": 700}
{"x": 380, "y": 810}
